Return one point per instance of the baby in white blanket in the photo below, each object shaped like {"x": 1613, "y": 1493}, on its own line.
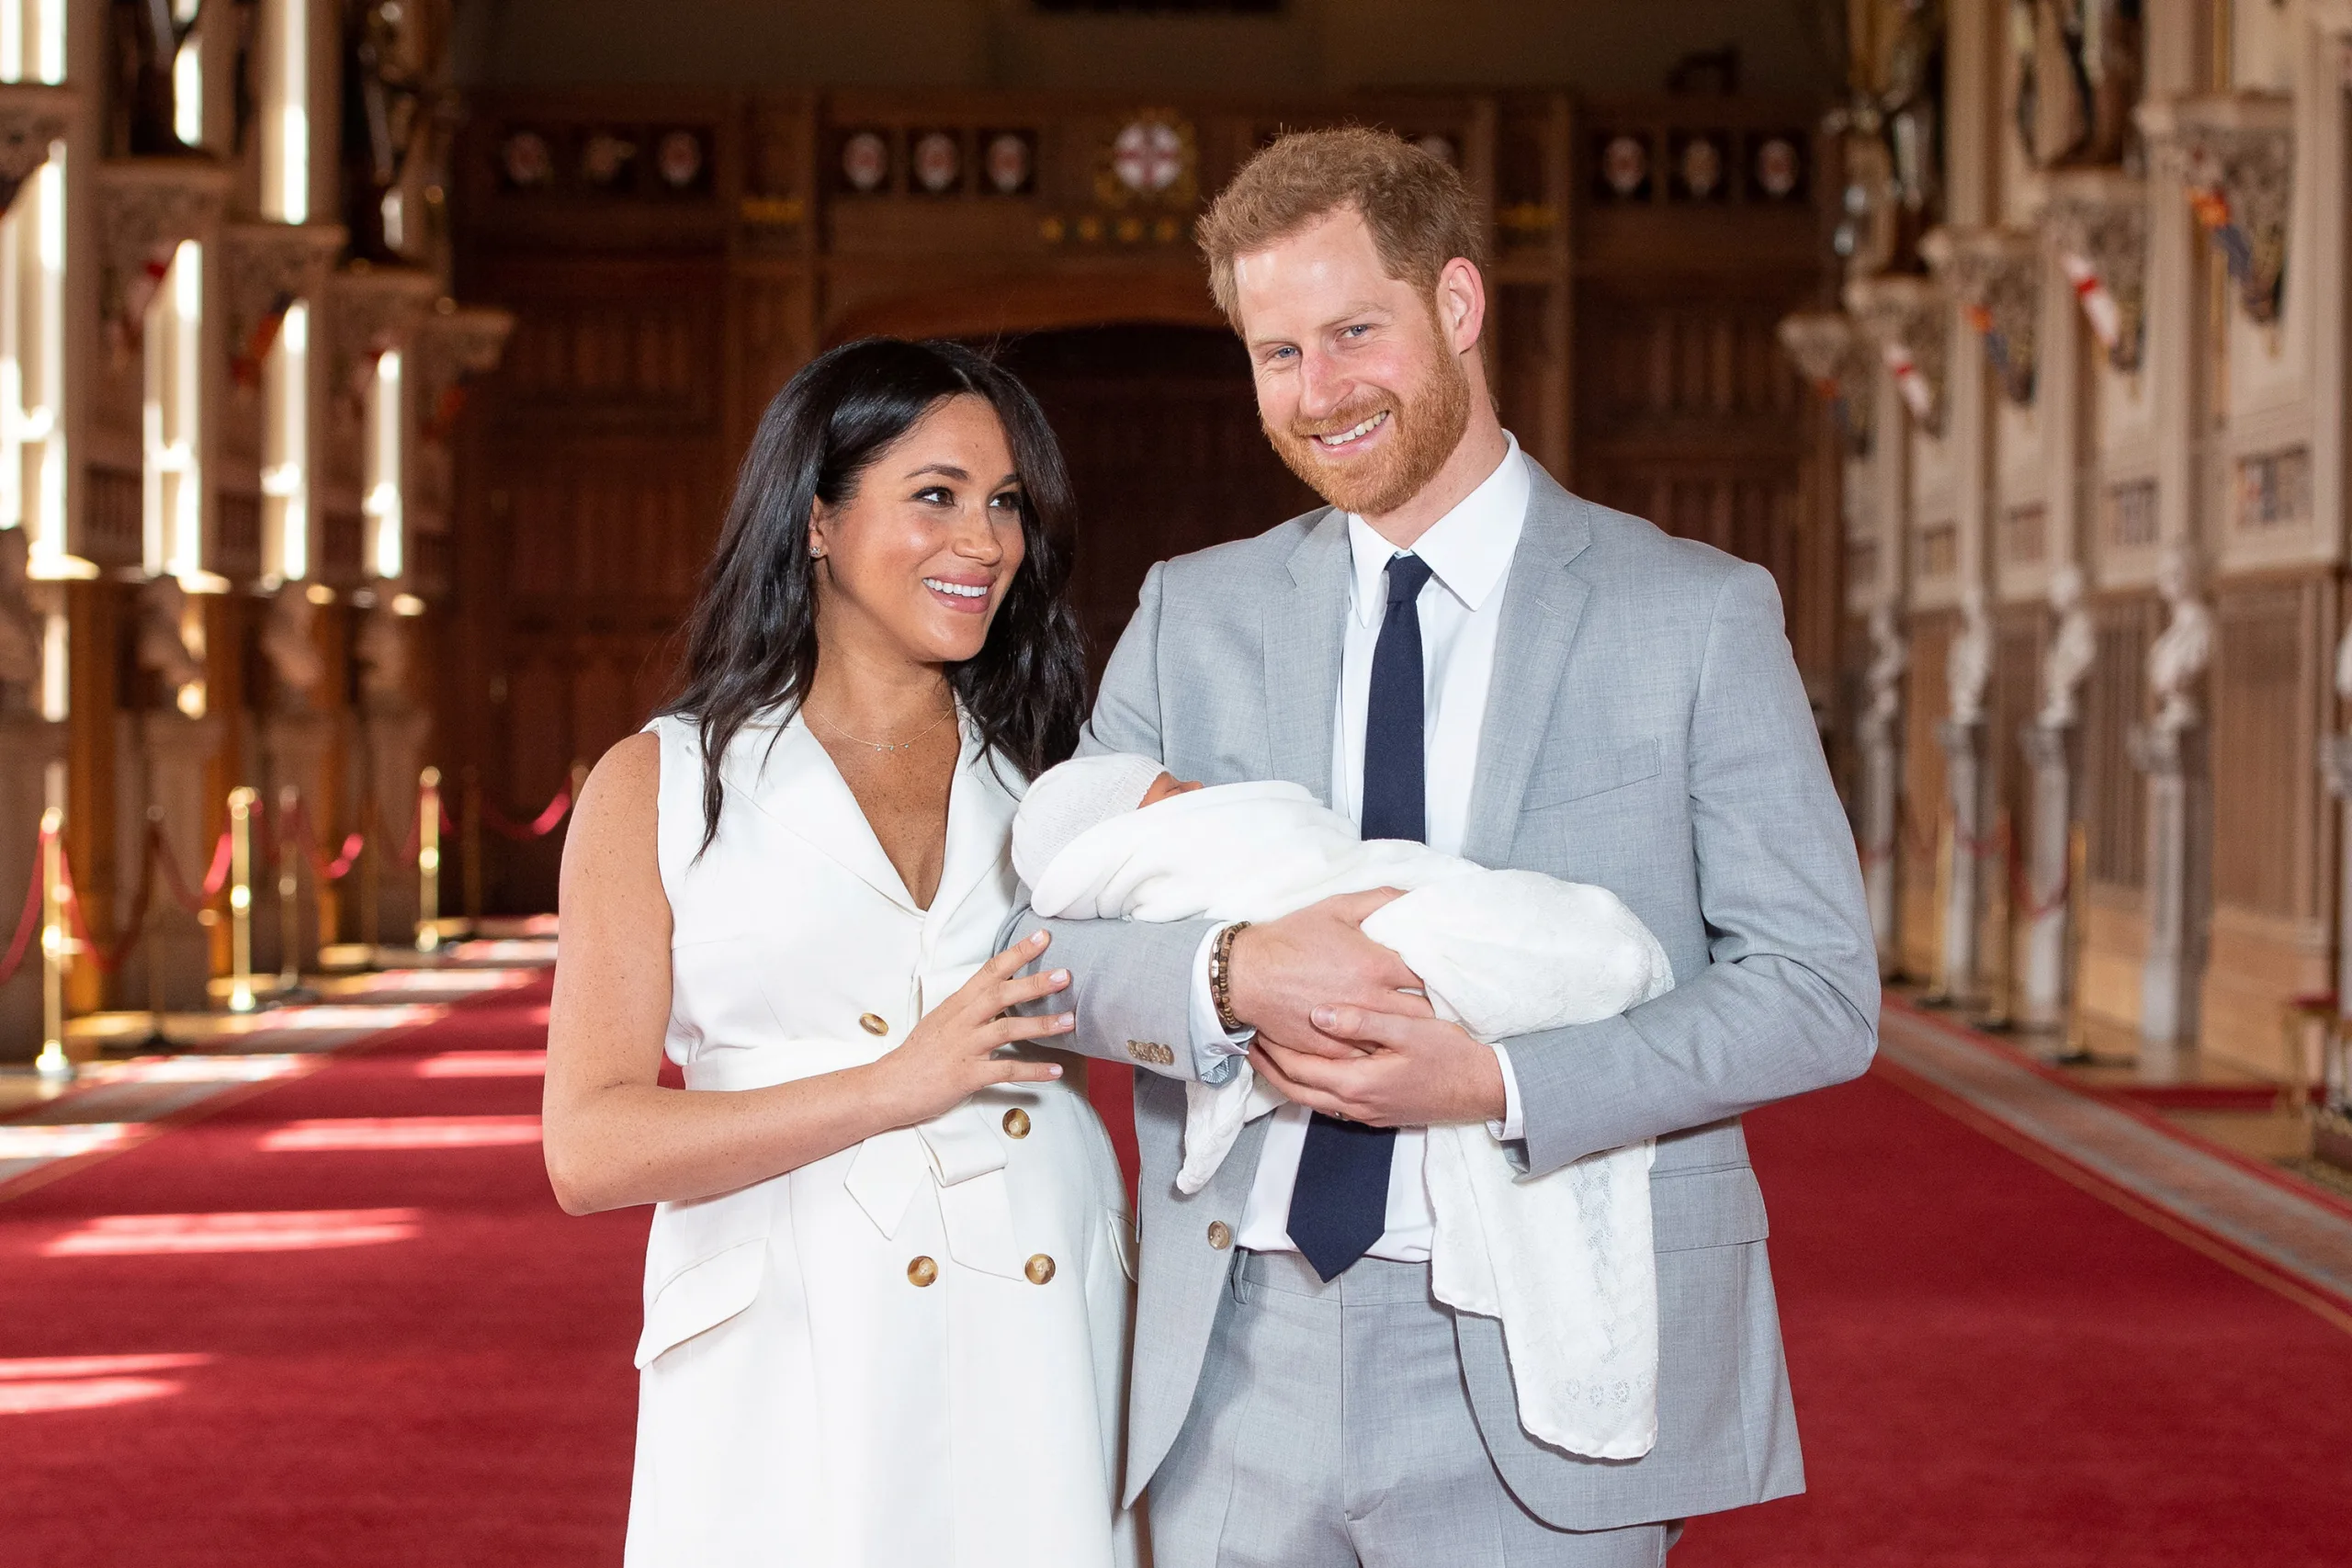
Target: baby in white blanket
{"x": 1564, "y": 1260}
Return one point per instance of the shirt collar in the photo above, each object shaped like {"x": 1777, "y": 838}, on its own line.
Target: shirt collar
{"x": 1469, "y": 550}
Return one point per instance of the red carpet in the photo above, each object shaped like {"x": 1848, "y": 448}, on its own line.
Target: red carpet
{"x": 1993, "y": 1367}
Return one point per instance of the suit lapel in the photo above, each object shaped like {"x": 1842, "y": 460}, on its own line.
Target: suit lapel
{"x": 1542, "y": 602}
{"x": 1304, "y": 634}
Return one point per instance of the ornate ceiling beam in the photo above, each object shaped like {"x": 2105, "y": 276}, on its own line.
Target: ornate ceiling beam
{"x": 1830, "y": 353}
{"x": 1995, "y": 277}
{"x": 2096, "y": 220}
{"x": 33, "y": 115}
{"x": 2235, "y": 152}
{"x": 147, "y": 206}
{"x": 265, "y": 267}
{"x": 1904, "y": 317}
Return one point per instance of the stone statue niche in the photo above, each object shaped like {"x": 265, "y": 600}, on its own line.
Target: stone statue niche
{"x": 289, "y": 644}
{"x": 146, "y": 42}
{"x": 385, "y": 120}
{"x": 2078, "y": 65}
{"x": 1891, "y": 124}
{"x": 20, "y": 628}
{"x": 162, "y": 641}
{"x": 2177, "y": 659}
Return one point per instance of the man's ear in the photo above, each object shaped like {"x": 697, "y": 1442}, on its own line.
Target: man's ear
{"x": 1461, "y": 303}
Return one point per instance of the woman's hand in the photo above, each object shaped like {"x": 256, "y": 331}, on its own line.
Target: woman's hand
{"x": 951, "y": 1054}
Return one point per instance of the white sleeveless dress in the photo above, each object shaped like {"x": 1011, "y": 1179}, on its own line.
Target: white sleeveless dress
{"x": 914, "y": 1350}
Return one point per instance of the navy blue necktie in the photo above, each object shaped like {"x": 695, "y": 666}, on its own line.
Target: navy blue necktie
{"x": 1340, "y": 1205}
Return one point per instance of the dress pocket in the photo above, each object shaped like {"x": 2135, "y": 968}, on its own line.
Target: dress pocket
{"x": 702, "y": 1296}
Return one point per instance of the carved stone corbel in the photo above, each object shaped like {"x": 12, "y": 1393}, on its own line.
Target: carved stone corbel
{"x": 368, "y": 310}
{"x": 147, "y": 206}
{"x": 1904, "y": 316}
{"x": 265, "y": 267}
{"x": 2096, "y": 220}
{"x": 1994, "y": 274}
{"x": 453, "y": 342}
{"x": 1829, "y": 351}
{"x": 2235, "y": 152}
{"x": 33, "y": 115}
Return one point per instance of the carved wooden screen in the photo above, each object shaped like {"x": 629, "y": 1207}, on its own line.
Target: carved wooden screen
{"x": 2266, "y": 714}
{"x": 2017, "y": 680}
{"x": 2115, "y": 699}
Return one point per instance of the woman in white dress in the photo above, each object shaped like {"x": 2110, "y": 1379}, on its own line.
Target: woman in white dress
{"x": 888, "y": 1283}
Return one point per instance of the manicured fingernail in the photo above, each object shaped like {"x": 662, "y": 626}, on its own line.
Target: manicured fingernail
{"x": 1325, "y": 1016}
{"x": 1037, "y": 940}
{"x": 1054, "y": 1072}
{"x": 1061, "y": 977}
{"x": 1067, "y": 1021}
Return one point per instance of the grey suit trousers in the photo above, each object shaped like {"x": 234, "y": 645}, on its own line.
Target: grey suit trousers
{"x": 1333, "y": 1427}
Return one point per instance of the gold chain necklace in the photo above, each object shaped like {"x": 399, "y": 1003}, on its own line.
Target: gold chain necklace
{"x": 880, "y": 746}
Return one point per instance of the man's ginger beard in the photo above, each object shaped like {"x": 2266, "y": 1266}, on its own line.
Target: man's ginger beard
{"x": 1426, "y": 424}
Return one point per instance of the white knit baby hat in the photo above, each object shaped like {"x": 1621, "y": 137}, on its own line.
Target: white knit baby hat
{"x": 1066, "y": 801}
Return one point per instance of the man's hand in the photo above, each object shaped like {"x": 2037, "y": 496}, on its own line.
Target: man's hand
{"x": 1400, "y": 1072}
{"x": 1319, "y": 957}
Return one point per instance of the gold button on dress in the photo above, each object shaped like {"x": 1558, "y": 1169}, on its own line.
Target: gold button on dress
{"x": 1040, "y": 1269}
{"x": 873, "y": 1023}
{"x": 922, "y": 1271}
{"x": 1016, "y": 1123}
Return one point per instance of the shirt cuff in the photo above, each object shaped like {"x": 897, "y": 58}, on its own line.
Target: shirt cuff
{"x": 1217, "y": 1052}
{"x": 1512, "y": 1127}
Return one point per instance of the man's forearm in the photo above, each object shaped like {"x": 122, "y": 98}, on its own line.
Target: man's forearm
{"x": 1739, "y": 1036}
{"x": 1130, "y": 985}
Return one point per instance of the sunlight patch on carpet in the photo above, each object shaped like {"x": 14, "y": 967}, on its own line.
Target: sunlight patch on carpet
{"x": 283, "y": 1230}
{"x": 379, "y": 1133}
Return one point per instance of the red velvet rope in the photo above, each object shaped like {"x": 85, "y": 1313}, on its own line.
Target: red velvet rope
{"x": 539, "y": 826}
{"x": 29, "y": 921}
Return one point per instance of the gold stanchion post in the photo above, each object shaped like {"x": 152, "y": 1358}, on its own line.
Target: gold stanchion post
{"x": 52, "y": 1064}
{"x": 2078, "y": 859}
{"x": 241, "y": 900}
{"x": 428, "y": 860}
{"x": 1945, "y": 846}
{"x": 289, "y": 891}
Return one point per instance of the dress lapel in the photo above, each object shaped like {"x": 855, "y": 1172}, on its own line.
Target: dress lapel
{"x": 1543, "y": 602}
{"x": 1304, "y": 634}
{"x": 979, "y": 824}
{"x": 794, "y": 783}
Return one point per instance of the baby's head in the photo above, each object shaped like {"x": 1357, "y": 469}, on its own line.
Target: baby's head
{"x": 1083, "y": 792}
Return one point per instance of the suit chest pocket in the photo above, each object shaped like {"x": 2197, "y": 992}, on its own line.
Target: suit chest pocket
{"x": 1592, "y": 769}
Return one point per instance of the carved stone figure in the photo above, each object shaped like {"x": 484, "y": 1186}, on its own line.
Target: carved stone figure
{"x": 2078, "y": 76}
{"x": 19, "y": 623}
{"x": 290, "y": 643}
{"x": 383, "y": 652}
{"x": 1892, "y": 124}
{"x": 1968, "y": 662}
{"x": 2177, "y": 660}
{"x": 161, "y": 643}
{"x": 1882, "y": 682}
{"x": 2072, "y": 652}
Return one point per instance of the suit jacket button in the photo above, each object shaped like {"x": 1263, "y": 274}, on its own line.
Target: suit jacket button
{"x": 1220, "y": 1235}
{"x": 922, "y": 1271}
{"x": 1016, "y": 1123}
{"x": 1039, "y": 1269}
{"x": 873, "y": 1023}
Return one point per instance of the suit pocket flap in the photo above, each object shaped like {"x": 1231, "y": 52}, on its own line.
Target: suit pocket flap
{"x": 703, "y": 1295}
{"x": 1593, "y": 770}
{"x": 1706, "y": 1207}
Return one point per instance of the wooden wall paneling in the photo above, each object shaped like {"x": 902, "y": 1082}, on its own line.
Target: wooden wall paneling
{"x": 1922, "y": 810}
{"x": 2115, "y": 701}
{"x": 2266, "y": 703}
{"x": 2018, "y": 636}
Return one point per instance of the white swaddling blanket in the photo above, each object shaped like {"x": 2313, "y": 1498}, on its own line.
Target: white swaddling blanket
{"x": 1563, "y": 1261}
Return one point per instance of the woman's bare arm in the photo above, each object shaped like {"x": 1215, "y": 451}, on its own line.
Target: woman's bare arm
{"x": 615, "y": 1136}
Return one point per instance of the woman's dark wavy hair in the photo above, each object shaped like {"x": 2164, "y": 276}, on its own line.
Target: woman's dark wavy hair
{"x": 751, "y": 640}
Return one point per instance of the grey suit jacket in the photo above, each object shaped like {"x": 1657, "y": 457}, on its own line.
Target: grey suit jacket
{"x": 1645, "y": 730}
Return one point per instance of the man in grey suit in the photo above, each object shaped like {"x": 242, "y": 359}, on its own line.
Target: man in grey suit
{"x": 1456, "y": 650}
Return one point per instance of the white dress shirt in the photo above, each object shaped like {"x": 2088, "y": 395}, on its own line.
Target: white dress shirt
{"x": 1469, "y": 553}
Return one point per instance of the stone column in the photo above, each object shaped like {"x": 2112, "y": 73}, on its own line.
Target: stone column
{"x": 1880, "y": 737}
{"x": 2048, "y": 976}
{"x": 169, "y": 756}
{"x": 1968, "y": 778}
{"x": 392, "y": 738}
{"x": 2179, "y": 896}
{"x": 293, "y": 751}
